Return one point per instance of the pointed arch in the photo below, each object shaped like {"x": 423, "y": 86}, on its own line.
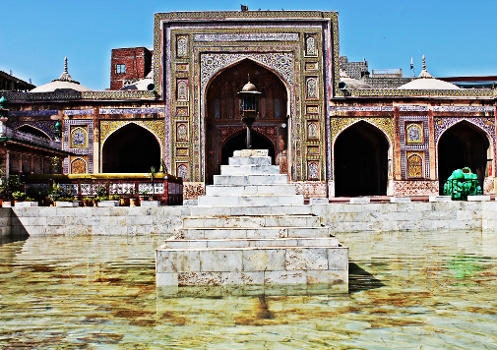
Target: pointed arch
{"x": 465, "y": 144}
{"x": 221, "y": 119}
{"x": 361, "y": 160}
{"x": 132, "y": 148}
{"x": 32, "y": 130}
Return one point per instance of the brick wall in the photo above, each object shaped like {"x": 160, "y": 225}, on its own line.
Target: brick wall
{"x": 129, "y": 65}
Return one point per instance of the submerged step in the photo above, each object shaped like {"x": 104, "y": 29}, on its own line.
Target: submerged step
{"x": 249, "y": 233}
{"x": 327, "y": 242}
{"x": 252, "y": 265}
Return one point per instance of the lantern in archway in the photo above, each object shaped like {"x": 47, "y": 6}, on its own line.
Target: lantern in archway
{"x": 249, "y": 107}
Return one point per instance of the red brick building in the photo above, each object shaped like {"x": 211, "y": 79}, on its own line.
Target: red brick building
{"x": 129, "y": 65}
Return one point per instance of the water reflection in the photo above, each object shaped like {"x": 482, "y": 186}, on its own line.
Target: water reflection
{"x": 409, "y": 291}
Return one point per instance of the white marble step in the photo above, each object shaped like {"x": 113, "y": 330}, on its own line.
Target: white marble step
{"x": 245, "y": 153}
{"x": 251, "y": 200}
{"x": 253, "y": 233}
{"x": 253, "y": 210}
{"x": 251, "y": 221}
{"x": 250, "y": 169}
{"x": 250, "y": 179}
{"x": 251, "y": 242}
{"x": 264, "y": 160}
{"x": 274, "y": 190}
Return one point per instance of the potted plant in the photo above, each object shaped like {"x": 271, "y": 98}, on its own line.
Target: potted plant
{"x": 60, "y": 198}
{"x": 111, "y": 200}
{"x": 22, "y": 200}
{"x": 9, "y": 185}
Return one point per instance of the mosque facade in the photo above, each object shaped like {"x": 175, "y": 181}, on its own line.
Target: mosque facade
{"x": 332, "y": 134}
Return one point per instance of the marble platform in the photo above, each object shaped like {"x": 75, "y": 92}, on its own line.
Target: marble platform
{"x": 251, "y": 228}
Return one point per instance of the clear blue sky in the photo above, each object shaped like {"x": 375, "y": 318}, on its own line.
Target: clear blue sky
{"x": 458, "y": 37}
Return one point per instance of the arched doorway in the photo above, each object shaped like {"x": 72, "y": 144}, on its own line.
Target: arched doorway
{"x": 131, "y": 149}
{"x": 462, "y": 145}
{"x": 237, "y": 142}
{"x": 224, "y": 131}
{"x": 361, "y": 161}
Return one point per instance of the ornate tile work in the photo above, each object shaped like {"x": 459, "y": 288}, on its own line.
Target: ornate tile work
{"x": 421, "y": 122}
{"x": 107, "y": 127}
{"x": 360, "y": 109}
{"x": 211, "y": 37}
{"x": 488, "y": 185}
{"x": 181, "y": 132}
{"x": 41, "y": 113}
{"x": 182, "y": 171}
{"x": 181, "y": 45}
{"x": 312, "y": 171}
{"x": 86, "y": 152}
{"x": 78, "y": 166}
{"x": 421, "y": 92}
{"x": 192, "y": 190}
{"x": 182, "y": 89}
{"x": 443, "y": 123}
{"x": 281, "y": 62}
{"x": 78, "y": 111}
{"x": 414, "y": 165}
{"x": 415, "y": 188}
{"x": 412, "y": 108}
{"x": 312, "y": 130}
{"x": 414, "y": 133}
{"x": 149, "y": 110}
{"x": 464, "y": 109}
{"x": 311, "y": 189}
{"x": 47, "y": 126}
{"x": 311, "y": 45}
{"x": 311, "y": 87}
{"x": 384, "y": 124}
{"x": 79, "y": 137}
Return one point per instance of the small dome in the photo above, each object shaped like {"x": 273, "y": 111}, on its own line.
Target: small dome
{"x": 429, "y": 84}
{"x": 64, "y": 82}
{"x": 249, "y": 87}
{"x": 425, "y": 81}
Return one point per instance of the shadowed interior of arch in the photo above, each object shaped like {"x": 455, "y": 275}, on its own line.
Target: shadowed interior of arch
{"x": 361, "y": 161}
{"x": 131, "y": 149}
{"x": 462, "y": 145}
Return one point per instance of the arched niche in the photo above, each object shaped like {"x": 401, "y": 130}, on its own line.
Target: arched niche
{"x": 28, "y": 129}
{"x": 464, "y": 145}
{"x": 130, "y": 149}
{"x": 361, "y": 161}
{"x": 223, "y": 123}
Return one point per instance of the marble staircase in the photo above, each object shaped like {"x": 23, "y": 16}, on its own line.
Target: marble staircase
{"x": 252, "y": 228}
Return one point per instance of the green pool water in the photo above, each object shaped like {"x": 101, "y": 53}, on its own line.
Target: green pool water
{"x": 430, "y": 290}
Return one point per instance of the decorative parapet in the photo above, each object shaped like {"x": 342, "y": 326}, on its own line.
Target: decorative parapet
{"x": 420, "y": 93}
{"x": 18, "y": 96}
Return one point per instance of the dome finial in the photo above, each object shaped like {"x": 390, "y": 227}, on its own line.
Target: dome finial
{"x": 65, "y": 65}
{"x": 424, "y": 73}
